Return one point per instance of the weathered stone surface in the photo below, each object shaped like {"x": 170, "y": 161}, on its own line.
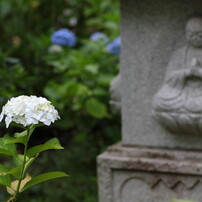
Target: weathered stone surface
{"x": 132, "y": 174}
{"x": 151, "y": 187}
{"x": 151, "y": 33}
{"x": 178, "y": 103}
{"x": 115, "y": 93}
{"x": 157, "y": 159}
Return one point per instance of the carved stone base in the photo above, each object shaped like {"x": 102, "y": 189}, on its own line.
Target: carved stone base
{"x": 137, "y": 174}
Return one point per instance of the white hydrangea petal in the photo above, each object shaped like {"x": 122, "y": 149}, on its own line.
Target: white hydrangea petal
{"x": 8, "y": 120}
{"x": 27, "y": 110}
{"x": 47, "y": 122}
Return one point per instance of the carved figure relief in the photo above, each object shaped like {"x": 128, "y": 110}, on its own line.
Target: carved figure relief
{"x": 178, "y": 103}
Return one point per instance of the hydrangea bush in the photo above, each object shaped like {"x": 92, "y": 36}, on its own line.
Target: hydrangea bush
{"x": 64, "y": 37}
{"x": 75, "y": 79}
{"x": 26, "y": 112}
{"x": 99, "y": 36}
{"x": 115, "y": 46}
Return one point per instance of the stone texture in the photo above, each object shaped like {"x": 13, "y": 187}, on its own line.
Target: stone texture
{"x": 133, "y": 174}
{"x": 115, "y": 93}
{"x": 151, "y": 187}
{"x": 151, "y": 32}
{"x": 154, "y": 164}
{"x": 178, "y": 103}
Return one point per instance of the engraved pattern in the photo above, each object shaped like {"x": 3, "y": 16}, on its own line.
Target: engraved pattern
{"x": 129, "y": 174}
{"x": 158, "y": 187}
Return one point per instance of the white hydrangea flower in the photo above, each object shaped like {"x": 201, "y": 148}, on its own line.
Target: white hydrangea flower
{"x": 55, "y": 48}
{"x": 27, "y": 110}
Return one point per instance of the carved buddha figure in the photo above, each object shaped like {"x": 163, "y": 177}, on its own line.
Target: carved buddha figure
{"x": 178, "y": 103}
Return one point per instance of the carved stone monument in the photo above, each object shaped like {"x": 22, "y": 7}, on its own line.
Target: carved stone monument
{"x": 160, "y": 156}
{"x": 178, "y": 104}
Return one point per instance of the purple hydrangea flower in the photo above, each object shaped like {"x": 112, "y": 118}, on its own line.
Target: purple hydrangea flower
{"x": 64, "y": 37}
{"x": 115, "y": 46}
{"x": 99, "y": 36}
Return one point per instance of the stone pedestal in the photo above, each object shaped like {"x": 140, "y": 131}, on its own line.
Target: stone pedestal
{"x": 139, "y": 174}
{"x": 160, "y": 156}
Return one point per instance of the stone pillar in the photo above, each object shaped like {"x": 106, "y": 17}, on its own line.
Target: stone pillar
{"x": 160, "y": 155}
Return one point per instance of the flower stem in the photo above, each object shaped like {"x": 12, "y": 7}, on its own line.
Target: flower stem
{"x": 23, "y": 170}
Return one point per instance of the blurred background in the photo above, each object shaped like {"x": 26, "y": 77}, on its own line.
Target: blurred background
{"x": 66, "y": 51}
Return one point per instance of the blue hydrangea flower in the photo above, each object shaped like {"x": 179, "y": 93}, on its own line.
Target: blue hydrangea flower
{"x": 99, "y": 36}
{"x": 64, "y": 37}
{"x": 114, "y": 47}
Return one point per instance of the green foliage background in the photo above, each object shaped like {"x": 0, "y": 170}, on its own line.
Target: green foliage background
{"x": 76, "y": 80}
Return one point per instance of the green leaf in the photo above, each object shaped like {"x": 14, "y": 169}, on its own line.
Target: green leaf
{"x": 105, "y": 79}
{"x": 95, "y": 108}
{"x": 9, "y": 149}
{"x": 10, "y": 199}
{"x": 51, "y": 144}
{"x": 24, "y": 133}
{"x": 5, "y": 180}
{"x": 44, "y": 177}
{"x": 35, "y": 126}
{"x": 18, "y": 160}
{"x": 92, "y": 68}
{"x": 100, "y": 92}
{"x": 7, "y": 152}
{"x": 29, "y": 162}
{"x": 10, "y": 140}
{"x": 3, "y": 170}
{"x": 4, "y": 177}
{"x": 16, "y": 171}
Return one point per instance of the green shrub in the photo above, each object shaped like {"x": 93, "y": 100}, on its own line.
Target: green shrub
{"x": 76, "y": 80}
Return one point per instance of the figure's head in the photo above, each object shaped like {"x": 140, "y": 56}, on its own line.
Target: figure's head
{"x": 194, "y": 31}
